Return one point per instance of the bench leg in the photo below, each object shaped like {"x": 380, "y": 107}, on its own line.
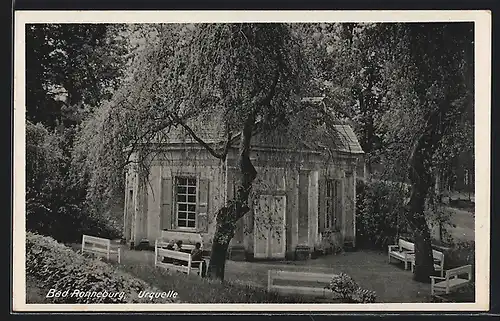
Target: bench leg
{"x": 406, "y": 265}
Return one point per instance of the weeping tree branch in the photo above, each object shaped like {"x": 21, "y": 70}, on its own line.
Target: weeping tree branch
{"x": 264, "y": 100}
{"x": 228, "y": 140}
{"x": 221, "y": 155}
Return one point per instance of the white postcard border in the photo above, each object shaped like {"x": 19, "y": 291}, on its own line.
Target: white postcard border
{"x": 482, "y": 21}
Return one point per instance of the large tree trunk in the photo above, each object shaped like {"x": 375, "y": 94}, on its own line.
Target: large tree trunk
{"x": 421, "y": 177}
{"x": 235, "y": 208}
{"x": 223, "y": 235}
{"x": 424, "y": 266}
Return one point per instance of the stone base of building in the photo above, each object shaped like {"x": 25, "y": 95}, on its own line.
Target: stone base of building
{"x": 349, "y": 247}
{"x": 237, "y": 253}
{"x": 143, "y": 245}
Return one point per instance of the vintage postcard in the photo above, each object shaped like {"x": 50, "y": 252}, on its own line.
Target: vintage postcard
{"x": 251, "y": 161}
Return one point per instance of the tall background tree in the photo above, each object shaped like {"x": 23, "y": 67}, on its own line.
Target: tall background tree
{"x": 444, "y": 60}
{"x": 408, "y": 90}
{"x": 70, "y": 68}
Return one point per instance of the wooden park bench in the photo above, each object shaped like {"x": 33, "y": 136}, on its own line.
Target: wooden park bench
{"x": 188, "y": 239}
{"x": 100, "y": 246}
{"x": 452, "y": 280}
{"x": 177, "y": 260}
{"x": 404, "y": 251}
{"x": 438, "y": 258}
{"x": 317, "y": 281}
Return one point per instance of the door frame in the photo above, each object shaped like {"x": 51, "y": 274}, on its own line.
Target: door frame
{"x": 268, "y": 254}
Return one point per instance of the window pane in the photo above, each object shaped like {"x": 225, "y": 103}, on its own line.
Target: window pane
{"x": 181, "y": 215}
{"x": 186, "y": 191}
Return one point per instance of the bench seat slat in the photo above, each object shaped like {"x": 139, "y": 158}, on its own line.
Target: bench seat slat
{"x": 400, "y": 254}
{"x": 452, "y": 283}
{"x": 304, "y": 290}
{"x": 182, "y": 268}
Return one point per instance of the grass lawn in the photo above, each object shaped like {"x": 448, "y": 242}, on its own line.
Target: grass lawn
{"x": 193, "y": 289}
{"x": 369, "y": 269}
{"x": 464, "y": 221}
{"x": 247, "y": 281}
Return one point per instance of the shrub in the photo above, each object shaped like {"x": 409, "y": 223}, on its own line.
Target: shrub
{"x": 343, "y": 285}
{"x": 57, "y": 267}
{"x": 440, "y": 218}
{"x": 54, "y": 205}
{"x": 380, "y": 213}
{"x": 462, "y": 253}
{"x": 347, "y": 289}
{"x": 363, "y": 296}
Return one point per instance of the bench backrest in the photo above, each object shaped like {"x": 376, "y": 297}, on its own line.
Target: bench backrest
{"x": 405, "y": 245}
{"x": 95, "y": 240}
{"x": 299, "y": 276}
{"x": 437, "y": 255}
{"x": 317, "y": 288}
{"x": 185, "y": 246}
{"x": 177, "y": 255}
{"x": 189, "y": 247}
{"x": 162, "y": 243}
{"x": 456, "y": 272}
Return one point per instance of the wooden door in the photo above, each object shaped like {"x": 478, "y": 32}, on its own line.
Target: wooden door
{"x": 270, "y": 226}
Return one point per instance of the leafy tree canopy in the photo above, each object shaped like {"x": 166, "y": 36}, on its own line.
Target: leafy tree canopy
{"x": 70, "y": 68}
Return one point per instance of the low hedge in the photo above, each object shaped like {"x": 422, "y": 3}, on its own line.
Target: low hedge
{"x": 380, "y": 214}
{"x": 460, "y": 254}
{"x": 82, "y": 279}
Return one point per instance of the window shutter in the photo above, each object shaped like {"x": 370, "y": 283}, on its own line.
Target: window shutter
{"x": 203, "y": 193}
{"x": 321, "y": 204}
{"x": 166, "y": 206}
{"x": 338, "y": 204}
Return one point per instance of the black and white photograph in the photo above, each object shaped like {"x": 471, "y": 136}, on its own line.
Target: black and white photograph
{"x": 302, "y": 161}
